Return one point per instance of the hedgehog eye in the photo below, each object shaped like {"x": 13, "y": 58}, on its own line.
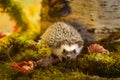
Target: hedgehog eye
{"x": 64, "y": 50}
{"x": 74, "y": 51}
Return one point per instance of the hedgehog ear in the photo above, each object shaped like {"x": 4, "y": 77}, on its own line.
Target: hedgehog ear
{"x": 80, "y": 43}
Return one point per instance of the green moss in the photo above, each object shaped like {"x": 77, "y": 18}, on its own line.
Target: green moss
{"x": 104, "y": 66}
{"x": 6, "y": 71}
{"x": 50, "y": 73}
{"x": 32, "y": 52}
{"x": 22, "y": 48}
{"x": 100, "y": 64}
{"x": 114, "y": 47}
{"x": 44, "y": 50}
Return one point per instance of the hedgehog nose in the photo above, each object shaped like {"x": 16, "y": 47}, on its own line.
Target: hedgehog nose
{"x": 68, "y": 57}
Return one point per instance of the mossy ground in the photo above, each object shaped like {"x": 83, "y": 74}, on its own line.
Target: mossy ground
{"x": 93, "y": 66}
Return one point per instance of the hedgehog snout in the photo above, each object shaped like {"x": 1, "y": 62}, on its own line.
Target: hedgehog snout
{"x": 68, "y": 57}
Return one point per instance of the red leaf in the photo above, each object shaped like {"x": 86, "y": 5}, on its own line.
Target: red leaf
{"x": 15, "y": 29}
{"x": 24, "y": 67}
{"x": 15, "y": 66}
{"x": 96, "y": 48}
{"x": 2, "y": 35}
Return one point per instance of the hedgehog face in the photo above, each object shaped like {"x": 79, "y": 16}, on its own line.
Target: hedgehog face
{"x": 71, "y": 51}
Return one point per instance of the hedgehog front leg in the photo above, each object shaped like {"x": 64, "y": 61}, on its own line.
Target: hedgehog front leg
{"x": 57, "y": 52}
{"x": 60, "y": 58}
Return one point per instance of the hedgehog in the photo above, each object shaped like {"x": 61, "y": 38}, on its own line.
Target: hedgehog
{"x": 64, "y": 40}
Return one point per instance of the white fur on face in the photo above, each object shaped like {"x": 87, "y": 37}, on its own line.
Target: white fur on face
{"x": 71, "y": 48}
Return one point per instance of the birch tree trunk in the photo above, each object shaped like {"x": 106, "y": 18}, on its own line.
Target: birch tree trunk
{"x": 94, "y": 19}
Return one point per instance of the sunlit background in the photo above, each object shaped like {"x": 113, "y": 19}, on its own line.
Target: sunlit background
{"x": 31, "y": 9}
